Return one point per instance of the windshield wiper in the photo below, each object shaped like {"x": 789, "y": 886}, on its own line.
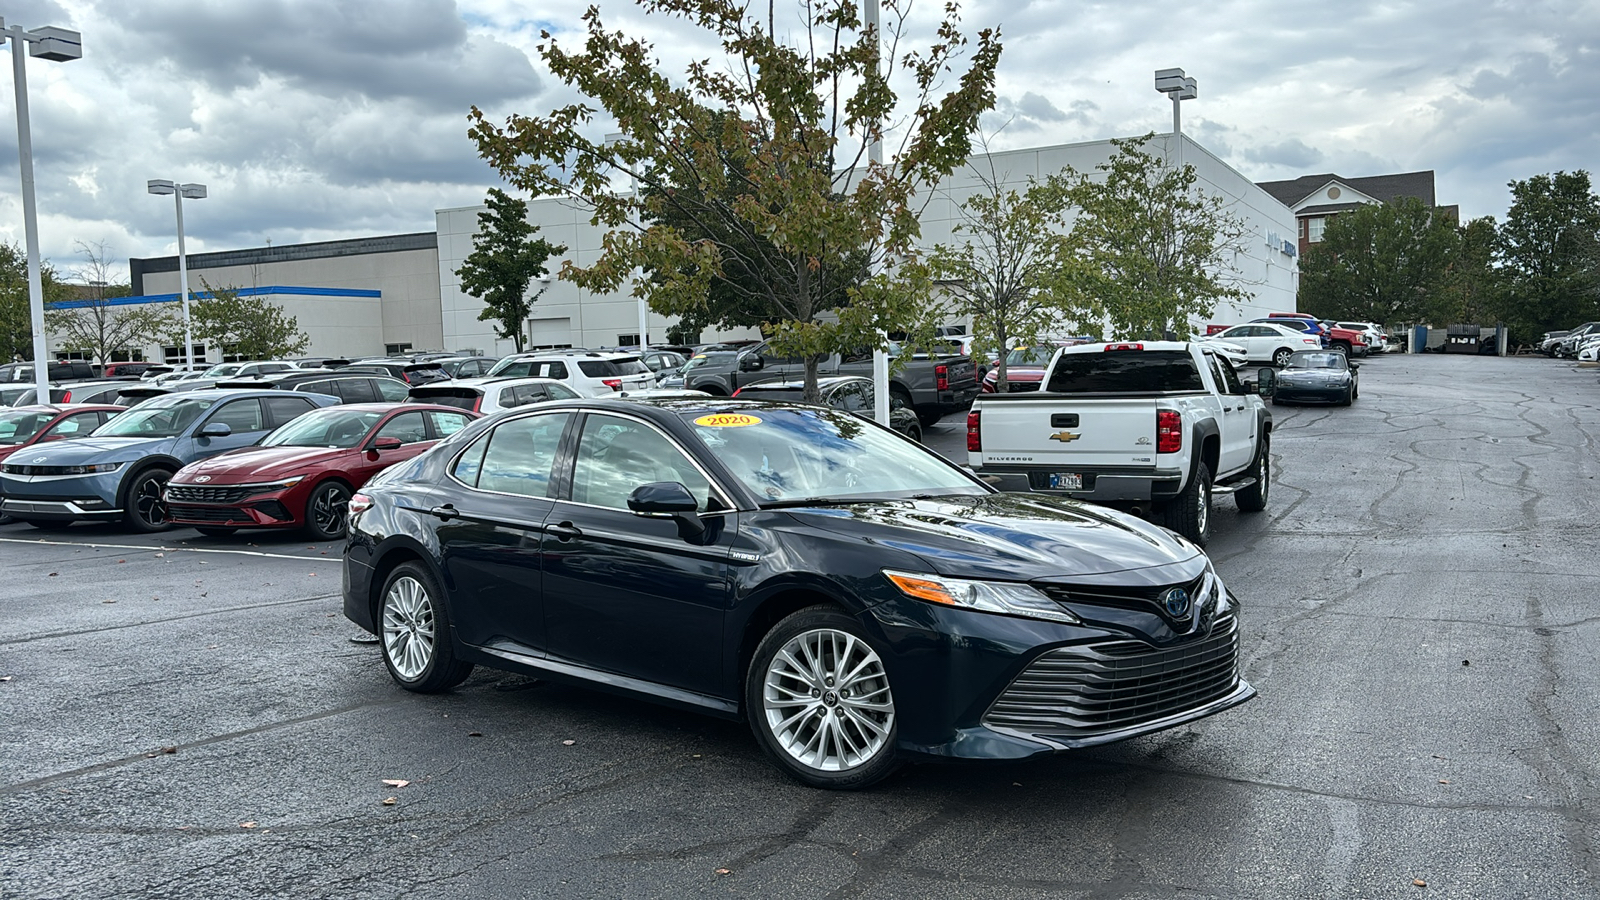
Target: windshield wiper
{"x": 819, "y": 501}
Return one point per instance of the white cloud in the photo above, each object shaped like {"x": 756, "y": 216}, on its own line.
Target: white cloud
{"x": 311, "y": 121}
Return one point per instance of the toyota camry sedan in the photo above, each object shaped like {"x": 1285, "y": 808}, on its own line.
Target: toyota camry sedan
{"x": 857, "y": 599}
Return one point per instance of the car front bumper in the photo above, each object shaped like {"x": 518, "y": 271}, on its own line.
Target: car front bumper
{"x": 61, "y": 498}
{"x": 999, "y": 687}
{"x": 275, "y": 509}
{"x": 1309, "y": 393}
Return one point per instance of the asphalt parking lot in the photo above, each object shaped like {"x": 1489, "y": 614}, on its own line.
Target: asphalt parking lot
{"x": 189, "y": 717}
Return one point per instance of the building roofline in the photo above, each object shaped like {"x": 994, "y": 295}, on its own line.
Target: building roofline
{"x": 386, "y": 243}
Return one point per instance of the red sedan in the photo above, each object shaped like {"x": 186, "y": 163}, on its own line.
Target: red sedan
{"x": 302, "y": 475}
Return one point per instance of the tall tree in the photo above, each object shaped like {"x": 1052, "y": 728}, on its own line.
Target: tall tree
{"x": 247, "y": 327}
{"x": 505, "y": 259}
{"x": 1384, "y": 262}
{"x": 16, "y": 321}
{"x": 1155, "y": 251}
{"x": 1472, "y": 288}
{"x": 767, "y": 153}
{"x": 1548, "y": 247}
{"x": 1012, "y": 265}
{"x": 94, "y": 323}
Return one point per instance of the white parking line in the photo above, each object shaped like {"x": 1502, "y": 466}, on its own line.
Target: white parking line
{"x": 262, "y": 553}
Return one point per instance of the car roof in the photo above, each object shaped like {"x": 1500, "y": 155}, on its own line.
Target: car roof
{"x": 63, "y": 407}
{"x": 823, "y": 383}
{"x": 485, "y": 380}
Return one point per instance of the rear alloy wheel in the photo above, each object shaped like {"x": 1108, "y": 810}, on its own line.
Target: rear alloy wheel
{"x": 1254, "y": 497}
{"x": 1189, "y": 514}
{"x": 1280, "y": 358}
{"x": 145, "y": 509}
{"x": 418, "y": 647}
{"x": 327, "y": 511}
{"x": 818, "y": 699}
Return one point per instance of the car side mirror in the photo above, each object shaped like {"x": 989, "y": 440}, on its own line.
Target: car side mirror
{"x": 387, "y": 443}
{"x": 668, "y": 500}
{"x": 216, "y": 429}
{"x": 1266, "y": 382}
{"x": 751, "y": 363}
{"x": 1354, "y": 366}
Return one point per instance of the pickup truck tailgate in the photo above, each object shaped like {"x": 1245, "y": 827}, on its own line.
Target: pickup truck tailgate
{"x": 1088, "y": 433}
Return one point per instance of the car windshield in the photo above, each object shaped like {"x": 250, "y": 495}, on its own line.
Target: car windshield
{"x": 225, "y": 370}
{"x": 156, "y": 418}
{"x": 333, "y": 428}
{"x": 1030, "y": 356}
{"x": 788, "y": 456}
{"x": 1304, "y": 360}
{"x": 16, "y": 427}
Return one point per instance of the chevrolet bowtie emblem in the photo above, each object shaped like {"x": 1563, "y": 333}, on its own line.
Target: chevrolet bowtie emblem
{"x": 1065, "y": 437}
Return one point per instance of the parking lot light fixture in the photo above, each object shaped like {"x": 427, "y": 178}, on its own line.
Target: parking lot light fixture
{"x": 57, "y": 45}
{"x": 163, "y": 187}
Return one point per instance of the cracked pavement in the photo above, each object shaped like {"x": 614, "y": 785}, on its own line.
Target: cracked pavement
{"x": 1417, "y": 617}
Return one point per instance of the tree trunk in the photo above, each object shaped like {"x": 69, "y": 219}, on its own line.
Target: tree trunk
{"x": 1000, "y": 366}
{"x": 812, "y": 394}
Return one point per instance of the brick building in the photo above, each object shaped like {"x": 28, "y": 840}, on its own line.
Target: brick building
{"x": 1315, "y": 199}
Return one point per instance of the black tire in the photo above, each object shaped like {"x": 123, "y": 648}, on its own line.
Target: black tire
{"x": 435, "y": 667}
{"x": 1355, "y": 390}
{"x": 1280, "y": 356}
{"x": 1254, "y": 498}
{"x": 1349, "y": 395}
{"x": 327, "y": 511}
{"x": 210, "y": 531}
{"x": 915, "y": 434}
{"x": 832, "y": 711}
{"x": 143, "y": 508}
{"x": 1189, "y": 514}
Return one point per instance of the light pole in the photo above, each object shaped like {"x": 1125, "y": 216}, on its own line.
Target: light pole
{"x": 1179, "y": 87}
{"x": 644, "y": 308}
{"x": 163, "y": 187}
{"x": 880, "y": 359}
{"x": 60, "y": 45}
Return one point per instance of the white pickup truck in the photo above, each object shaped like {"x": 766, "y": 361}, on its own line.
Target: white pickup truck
{"x": 1157, "y": 428}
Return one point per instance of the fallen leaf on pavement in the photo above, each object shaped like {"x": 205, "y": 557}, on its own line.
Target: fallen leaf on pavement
{"x": 568, "y": 743}
{"x": 1444, "y": 781}
{"x": 121, "y": 561}
{"x": 54, "y": 574}
{"x": 389, "y": 801}
{"x": 6, "y": 677}
{"x": 396, "y": 782}
{"x": 1419, "y": 882}
{"x": 159, "y": 555}
{"x": 169, "y": 749}
{"x": 108, "y": 601}
{"x": 724, "y": 871}
{"x": 247, "y": 824}
{"x": 474, "y": 734}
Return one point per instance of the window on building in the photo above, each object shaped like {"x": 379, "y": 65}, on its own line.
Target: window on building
{"x": 396, "y": 349}
{"x": 127, "y": 356}
{"x": 547, "y": 347}
{"x": 171, "y": 355}
{"x": 230, "y": 353}
{"x": 627, "y": 340}
{"x": 1314, "y": 228}
{"x": 64, "y": 355}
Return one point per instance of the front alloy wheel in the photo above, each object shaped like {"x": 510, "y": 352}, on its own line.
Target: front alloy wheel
{"x": 820, "y": 703}
{"x": 327, "y": 511}
{"x": 146, "y": 508}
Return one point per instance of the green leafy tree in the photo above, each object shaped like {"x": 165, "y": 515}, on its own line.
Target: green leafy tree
{"x": 1472, "y": 289}
{"x": 1384, "y": 262}
{"x": 766, "y": 152}
{"x": 94, "y": 324}
{"x": 1011, "y": 268}
{"x": 16, "y": 321}
{"x": 505, "y": 259}
{"x": 1155, "y": 252}
{"x": 251, "y": 327}
{"x": 1548, "y": 246}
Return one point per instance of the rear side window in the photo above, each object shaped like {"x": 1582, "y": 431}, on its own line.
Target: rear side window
{"x": 283, "y": 409}
{"x": 391, "y": 390}
{"x": 522, "y": 454}
{"x": 460, "y": 398}
{"x": 560, "y": 392}
{"x": 630, "y": 366}
{"x": 356, "y": 390}
{"x": 242, "y": 416}
{"x": 598, "y": 368}
{"x": 1124, "y": 371}
{"x": 446, "y": 424}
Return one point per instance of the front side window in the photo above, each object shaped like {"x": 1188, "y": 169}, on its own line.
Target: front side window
{"x": 617, "y": 455}
{"x": 520, "y": 456}
{"x": 18, "y": 427}
{"x": 242, "y": 416}
{"x": 76, "y": 425}
{"x": 331, "y": 427}
{"x": 408, "y": 427}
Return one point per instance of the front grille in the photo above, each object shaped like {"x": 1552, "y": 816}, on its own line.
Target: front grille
{"x": 1098, "y": 688}
{"x": 19, "y": 469}
{"x": 184, "y": 493}
{"x": 220, "y": 514}
{"x": 1147, "y": 599}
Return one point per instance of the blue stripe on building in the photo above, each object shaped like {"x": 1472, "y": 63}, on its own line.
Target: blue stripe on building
{"x": 206, "y": 295}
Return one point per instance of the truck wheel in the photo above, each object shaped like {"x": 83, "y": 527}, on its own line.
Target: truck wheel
{"x": 929, "y": 418}
{"x": 1342, "y": 347}
{"x": 1190, "y": 513}
{"x": 1280, "y": 358}
{"x": 1254, "y": 497}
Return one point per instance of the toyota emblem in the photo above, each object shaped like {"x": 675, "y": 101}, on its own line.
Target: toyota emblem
{"x": 1176, "y": 602}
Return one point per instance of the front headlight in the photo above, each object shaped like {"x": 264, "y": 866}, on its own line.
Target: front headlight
{"x": 274, "y": 486}
{"x": 96, "y": 469}
{"x": 1011, "y": 598}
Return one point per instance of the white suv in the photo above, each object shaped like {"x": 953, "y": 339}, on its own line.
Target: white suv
{"x": 589, "y": 372}
{"x": 490, "y": 395}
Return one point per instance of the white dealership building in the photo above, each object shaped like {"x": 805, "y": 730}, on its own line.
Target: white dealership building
{"x": 400, "y": 292}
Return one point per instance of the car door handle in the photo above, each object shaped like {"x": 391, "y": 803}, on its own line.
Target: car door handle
{"x": 444, "y": 513}
{"x": 563, "y": 531}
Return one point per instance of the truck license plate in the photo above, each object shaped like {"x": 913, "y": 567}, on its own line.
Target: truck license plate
{"x": 1066, "y": 481}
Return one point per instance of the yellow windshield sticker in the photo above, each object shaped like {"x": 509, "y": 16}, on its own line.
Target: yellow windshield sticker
{"x": 727, "y": 420}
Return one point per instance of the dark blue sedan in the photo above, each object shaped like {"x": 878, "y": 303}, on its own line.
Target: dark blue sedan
{"x": 856, "y": 598}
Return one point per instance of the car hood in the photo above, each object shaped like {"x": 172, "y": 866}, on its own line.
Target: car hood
{"x": 1016, "y": 537}
{"x": 252, "y": 464}
{"x": 84, "y": 451}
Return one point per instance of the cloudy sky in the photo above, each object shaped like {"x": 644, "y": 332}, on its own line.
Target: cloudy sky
{"x": 322, "y": 119}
